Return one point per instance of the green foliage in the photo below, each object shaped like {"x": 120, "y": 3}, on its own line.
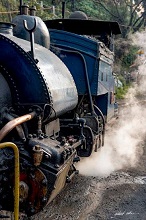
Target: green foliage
{"x": 6, "y": 9}
{"x": 121, "y": 92}
{"x": 89, "y": 7}
{"x": 121, "y": 11}
{"x": 125, "y": 54}
{"x": 129, "y": 58}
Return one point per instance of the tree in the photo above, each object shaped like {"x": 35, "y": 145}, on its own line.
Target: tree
{"x": 7, "y": 8}
{"x": 128, "y": 13}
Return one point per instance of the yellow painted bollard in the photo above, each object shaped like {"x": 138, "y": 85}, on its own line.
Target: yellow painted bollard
{"x": 16, "y": 187}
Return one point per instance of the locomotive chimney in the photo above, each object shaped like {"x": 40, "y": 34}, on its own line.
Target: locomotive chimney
{"x": 6, "y": 28}
{"x": 63, "y": 9}
{"x": 21, "y": 3}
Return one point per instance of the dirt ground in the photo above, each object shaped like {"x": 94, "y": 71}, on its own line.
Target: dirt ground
{"x": 122, "y": 195}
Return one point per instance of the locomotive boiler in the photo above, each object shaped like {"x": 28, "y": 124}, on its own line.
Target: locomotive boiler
{"x": 56, "y": 94}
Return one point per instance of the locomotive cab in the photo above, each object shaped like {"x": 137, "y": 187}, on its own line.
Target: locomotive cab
{"x": 90, "y": 45}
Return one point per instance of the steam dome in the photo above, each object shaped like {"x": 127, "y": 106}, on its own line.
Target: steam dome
{"x": 78, "y": 15}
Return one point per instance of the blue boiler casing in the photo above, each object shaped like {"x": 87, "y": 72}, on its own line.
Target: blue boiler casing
{"x": 47, "y": 82}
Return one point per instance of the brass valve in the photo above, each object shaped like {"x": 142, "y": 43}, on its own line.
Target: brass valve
{"x": 37, "y": 155}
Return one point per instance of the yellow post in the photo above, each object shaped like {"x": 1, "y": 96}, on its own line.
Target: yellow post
{"x": 16, "y": 189}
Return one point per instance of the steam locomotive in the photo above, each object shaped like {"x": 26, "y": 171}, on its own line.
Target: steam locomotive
{"x": 56, "y": 94}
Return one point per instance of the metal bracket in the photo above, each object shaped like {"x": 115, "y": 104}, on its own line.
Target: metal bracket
{"x": 31, "y": 33}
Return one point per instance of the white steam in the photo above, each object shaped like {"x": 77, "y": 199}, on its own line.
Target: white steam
{"x": 123, "y": 143}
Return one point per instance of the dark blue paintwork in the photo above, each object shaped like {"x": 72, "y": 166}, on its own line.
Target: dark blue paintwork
{"x": 31, "y": 83}
{"x": 80, "y": 54}
{"x": 22, "y": 72}
{"x": 83, "y": 54}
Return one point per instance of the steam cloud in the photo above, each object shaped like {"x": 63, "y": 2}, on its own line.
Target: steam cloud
{"x": 124, "y": 140}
